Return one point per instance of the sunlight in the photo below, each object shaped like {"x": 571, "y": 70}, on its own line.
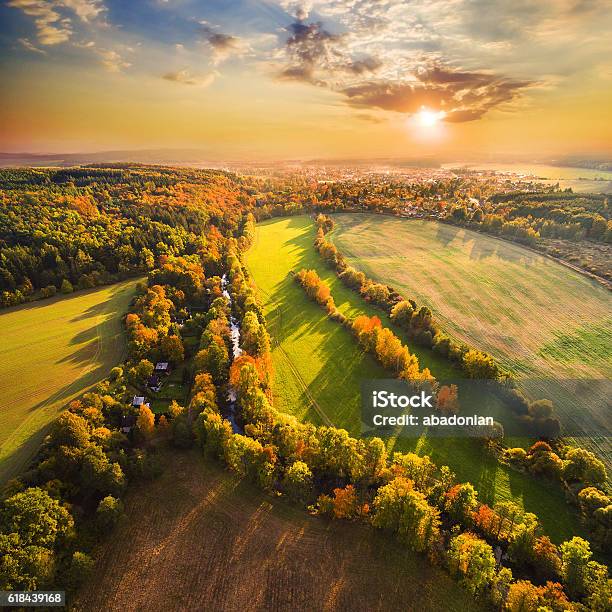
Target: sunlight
{"x": 429, "y": 118}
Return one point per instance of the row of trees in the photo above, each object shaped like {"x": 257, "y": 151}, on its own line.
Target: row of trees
{"x": 417, "y": 321}
{"x": 527, "y": 217}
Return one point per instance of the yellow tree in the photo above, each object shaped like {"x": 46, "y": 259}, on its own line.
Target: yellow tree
{"x": 145, "y": 422}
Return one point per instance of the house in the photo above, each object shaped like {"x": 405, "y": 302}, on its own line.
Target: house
{"x": 127, "y": 423}
{"x": 138, "y": 401}
{"x": 154, "y": 383}
{"x": 162, "y": 367}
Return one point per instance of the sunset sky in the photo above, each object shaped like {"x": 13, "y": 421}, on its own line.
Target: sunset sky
{"x": 278, "y": 79}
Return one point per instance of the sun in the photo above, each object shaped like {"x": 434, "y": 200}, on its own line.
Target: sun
{"x": 428, "y": 118}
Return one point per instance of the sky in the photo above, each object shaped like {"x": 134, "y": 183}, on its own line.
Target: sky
{"x": 278, "y": 79}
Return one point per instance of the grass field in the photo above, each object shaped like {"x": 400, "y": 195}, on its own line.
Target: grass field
{"x": 319, "y": 368}
{"x": 199, "y": 539}
{"x": 51, "y": 351}
{"x": 540, "y": 319}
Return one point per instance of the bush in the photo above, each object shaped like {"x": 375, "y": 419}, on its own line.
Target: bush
{"x": 110, "y": 510}
{"x": 81, "y": 567}
{"x": 48, "y": 291}
{"x": 67, "y": 286}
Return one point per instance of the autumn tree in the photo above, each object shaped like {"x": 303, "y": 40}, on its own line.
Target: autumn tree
{"x": 172, "y": 349}
{"x": 398, "y": 506}
{"x": 145, "y": 422}
{"x": 297, "y": 481}
{"x": 447, "y": 399}
{"x": 472, "y": 559}
{"x": 460, "y": 502}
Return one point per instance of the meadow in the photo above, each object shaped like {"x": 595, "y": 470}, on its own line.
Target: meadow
{"x": 541, "y": 320}
{"x": 319, "y": 368}
{"x": 51, "y": 352}
{"x": 198, "y": 538}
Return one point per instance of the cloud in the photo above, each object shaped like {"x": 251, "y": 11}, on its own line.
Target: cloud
{"x": 24, "y": 42}
{"x": 53, "y": 26}
{"x": 186, "y": 78}
{"x": 112, "y": 60}
{"x": 463, "y": 96}
{"x": 86, "y": 10}
{"x": 223, "y": 45}
{"x": 369, "y": 118}
{"x": 389, "y": 61}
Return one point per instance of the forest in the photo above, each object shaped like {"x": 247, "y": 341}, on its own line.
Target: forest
{"x": 188, "y": 231}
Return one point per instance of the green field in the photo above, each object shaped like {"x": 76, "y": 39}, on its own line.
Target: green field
{"x": 319, "y": 368}
{"x": 539, "y": 318}
{"x": 52, "y": 351}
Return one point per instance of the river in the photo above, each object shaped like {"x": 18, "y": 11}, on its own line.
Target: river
{"x": 236, "y": 352}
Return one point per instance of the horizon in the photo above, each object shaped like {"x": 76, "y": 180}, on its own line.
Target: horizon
{"x": 279, "y": 80}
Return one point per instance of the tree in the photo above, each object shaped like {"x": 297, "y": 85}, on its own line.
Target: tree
{"x": 172, "y": 349}
{"x": 399, "y": 507}
{"x": 575, "y": 556}
{"x": 37, "y": 518}
{"x": 70, "y": 430}
{"x": 215, "y": 360}
{"x": 143, "y": 371}
{"x": 297, "y": 481}
{"x": 523, "y": 596}
{"x": 145, "y": 423}
{"x": 583, "y": 466}
{"x": 523, "y": 539}
{"x": 447, "y": 399}
{"x": 163, "y": 426}
{"x": 598, "y": 587}
{"x": 461, "y": 501}
{"x": 108, "y": 513}
{"x": 81, "y": 567}
{"x": 212, "y": 432}
{"x": 345, "y": 502}
{"x": 472, "y": 558}
{"x": 23, "y": 566}
{"x": 480, "y": 365}
{"x": 547, "y": 561}
{"x": 401, "y": 313}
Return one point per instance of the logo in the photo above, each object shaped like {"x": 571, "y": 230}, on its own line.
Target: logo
{"x": 386, "y": 399}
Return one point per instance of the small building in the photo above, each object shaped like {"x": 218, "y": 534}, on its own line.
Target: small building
{"x": 138, "y": 401}
{"x": 127, "y": 423}
{"x": 154, "y": 383}
{"x": 162, "y": 367}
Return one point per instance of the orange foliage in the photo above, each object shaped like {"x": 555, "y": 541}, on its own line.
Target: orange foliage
{"x": 448, "y": 399}
{"x": 345, "y": 502}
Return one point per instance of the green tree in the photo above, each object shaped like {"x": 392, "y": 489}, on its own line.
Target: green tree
{"x": 70, "y": 430}
{"x": 108, "y": 513}
{"x": 297, "y": 481}
{"x": 399, "y": 507}
{"x": 575, "y": 556}
{"x": 37, "y": 518}
{"x": 472, "y": 558}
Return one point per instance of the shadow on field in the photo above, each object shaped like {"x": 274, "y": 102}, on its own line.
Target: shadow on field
{"x": 198, "y": 539}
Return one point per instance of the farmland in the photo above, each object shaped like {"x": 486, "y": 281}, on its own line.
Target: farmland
{"x": 199, "y": 538}
{"x": 538, "y": 318}
{"x": 51, "y": 352}
{"x": 319, "y": 368}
